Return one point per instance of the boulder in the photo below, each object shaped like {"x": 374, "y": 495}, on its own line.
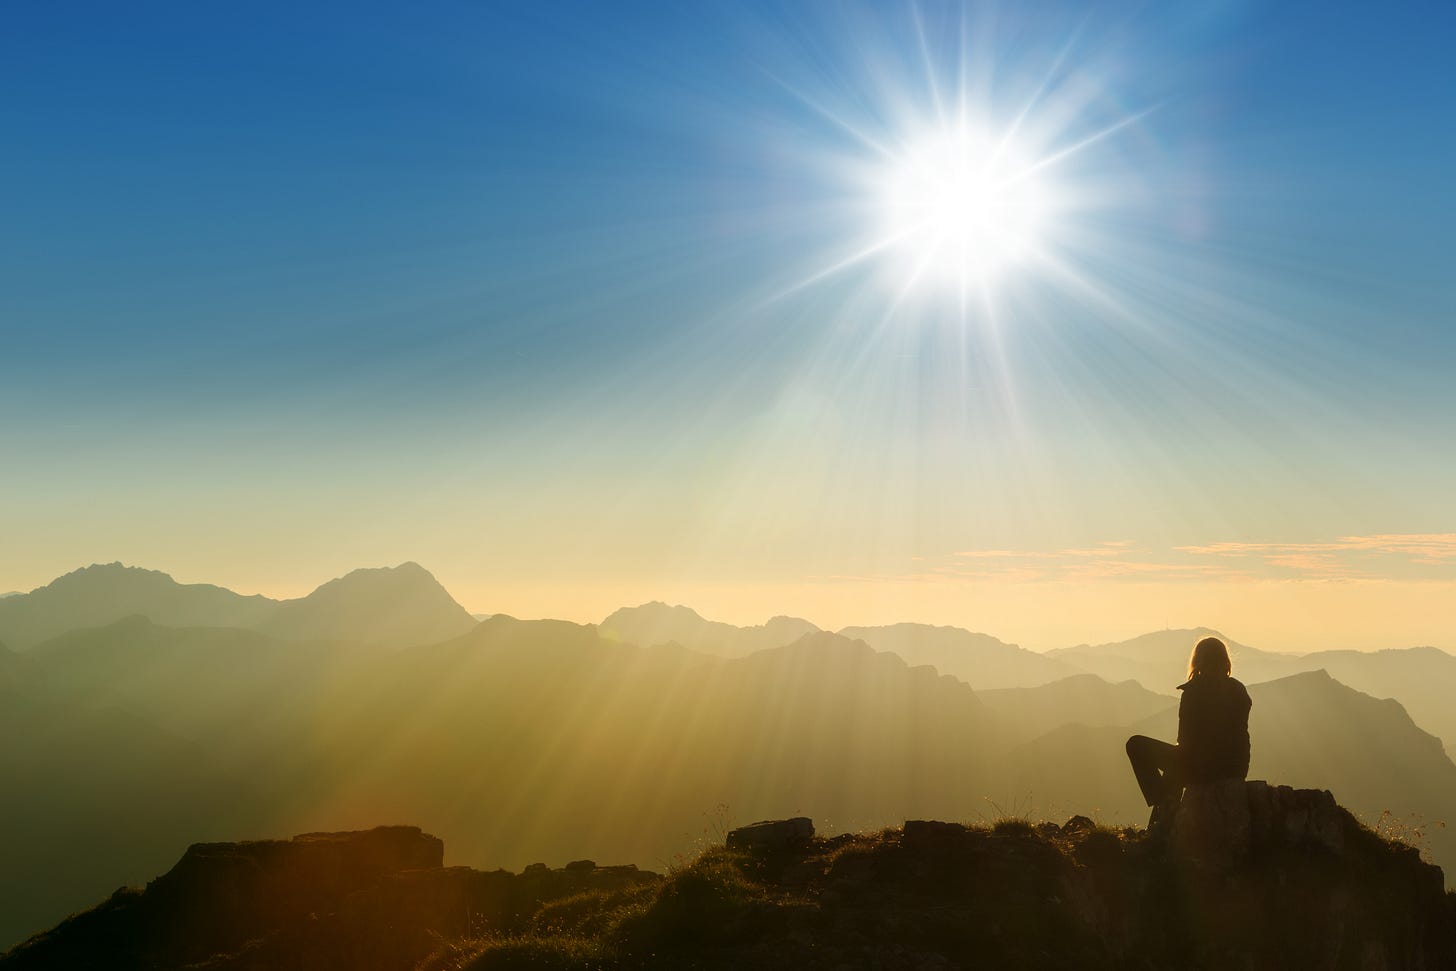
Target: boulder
{"x": 1211, "y": 828}
{"x": 1220, "y": 823}
{"x": 1307, "y": 818}
{"x": 772, "y": 835}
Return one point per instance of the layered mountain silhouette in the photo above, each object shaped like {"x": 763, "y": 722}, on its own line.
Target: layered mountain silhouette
{"x": 103, "y": 593}
{"x": 1159, "y": 659}
{"x": 657, "y": 623}
{"x": 980, "y": 660}
{"x": 401, "y": 606}
{"x": 1082, "y": 699}
{"x": 522, "y": 741}
{"x": 1307, "y": 730}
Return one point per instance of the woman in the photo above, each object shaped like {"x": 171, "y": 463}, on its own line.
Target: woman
{"x": 1213, "y": 735}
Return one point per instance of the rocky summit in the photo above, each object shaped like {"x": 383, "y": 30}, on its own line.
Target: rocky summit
{"x": 1299, "y": 883}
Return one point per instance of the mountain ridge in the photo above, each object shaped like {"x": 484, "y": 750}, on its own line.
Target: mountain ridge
{"x": 399, "y": 606}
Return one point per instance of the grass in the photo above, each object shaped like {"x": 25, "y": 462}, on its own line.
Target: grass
{"x": 697, "y": 904}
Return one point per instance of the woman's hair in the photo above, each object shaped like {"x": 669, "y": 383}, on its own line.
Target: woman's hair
{"x": 1210, "y": 656}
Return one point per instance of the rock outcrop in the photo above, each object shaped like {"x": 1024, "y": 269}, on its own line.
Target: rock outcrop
{"x": 1310, "y": 888}
{"x": 773, "y": 834}
{"x": 377, "y": 899}
{"x": 1223, "y": 824}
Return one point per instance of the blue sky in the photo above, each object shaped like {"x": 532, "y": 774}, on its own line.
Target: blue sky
{"x": 512, "y": 290}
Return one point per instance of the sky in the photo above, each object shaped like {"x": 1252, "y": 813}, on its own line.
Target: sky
{"x": 584, "y": 305}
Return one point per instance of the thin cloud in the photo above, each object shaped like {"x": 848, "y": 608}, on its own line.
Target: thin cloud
{"x": 1382, "y": 556}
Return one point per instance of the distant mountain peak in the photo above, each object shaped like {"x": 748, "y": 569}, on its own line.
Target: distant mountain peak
{"x": 102, "y": 593}
{"x": 656, "y": 624}
{"x": 398, "y": 606}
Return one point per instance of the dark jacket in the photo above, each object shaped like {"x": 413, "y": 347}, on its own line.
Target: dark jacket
{"x": 1213, "y": 729}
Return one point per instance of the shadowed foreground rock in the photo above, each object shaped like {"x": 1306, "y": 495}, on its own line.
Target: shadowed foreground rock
{"x": 1312, "y": 890}
{"x": 773, "y": 835}
{"x": 1219, "y": 825}
{"x": 377, "y": 899}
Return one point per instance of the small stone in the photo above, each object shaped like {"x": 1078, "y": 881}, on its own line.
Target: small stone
{"x": 1078, "y": 824}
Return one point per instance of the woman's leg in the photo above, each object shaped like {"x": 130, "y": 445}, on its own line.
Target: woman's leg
{"x": 1155, "y": 764}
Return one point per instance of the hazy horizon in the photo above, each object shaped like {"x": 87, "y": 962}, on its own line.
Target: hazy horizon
{"x": 874, "y": 616}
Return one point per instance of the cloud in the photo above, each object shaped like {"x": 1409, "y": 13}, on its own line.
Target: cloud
{"x": 1381, "y": 556}
{"x": 1111, "y": 548}
{"x": 1421, "y": 547}
{"x": 1373, "y": 556}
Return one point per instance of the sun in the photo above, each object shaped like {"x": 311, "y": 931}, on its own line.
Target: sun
{"x": 958, "y": 207}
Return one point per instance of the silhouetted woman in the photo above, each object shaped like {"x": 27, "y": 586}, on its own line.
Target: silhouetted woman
{"x": 1213, "y": 735}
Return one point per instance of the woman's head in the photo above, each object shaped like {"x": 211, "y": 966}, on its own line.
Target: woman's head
{"x": 1210, "y": 656}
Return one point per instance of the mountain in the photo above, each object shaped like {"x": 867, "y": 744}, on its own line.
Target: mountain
{"x": 523, "y": 741}
{"x": 657, "y": 623}
{"x": 1422, "y": 679}
{"x": 980, "y": 660}
{"x": 1159, "y": 660}
{"x": 221, "y": 686}
{"x": 11, "y": 666}
{"x": 93, "y": 798}
{"x": 531, "y": 740}
{"x": 1082, "y": 699}
{"x": 100, "y": 594}
{"x": 397, "y": 606}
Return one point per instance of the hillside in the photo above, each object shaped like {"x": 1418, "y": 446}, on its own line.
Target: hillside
{"x": 201, "y": 682}
{"x": 1083, "y": 699}
{"x": 1313, "y": 889}
{"x": 653, "y": 624}
{"x": 93, "y": 798}
{"x": 542, "y": 740}
{"x": 626, "y": 751}
{"x": 980, "y": 660}
{"x": 1422, "y": 679}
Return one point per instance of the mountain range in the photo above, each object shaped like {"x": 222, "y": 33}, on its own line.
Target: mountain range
{"x": 379, "y": 698}
{"x": 397, "y": 606}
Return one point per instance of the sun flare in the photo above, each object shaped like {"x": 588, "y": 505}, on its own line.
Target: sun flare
{"x": 959, "y": 207}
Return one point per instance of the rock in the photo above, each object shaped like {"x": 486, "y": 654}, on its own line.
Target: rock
{"x": 1301, "y": 818}
{"x": 1220, "y": 823}
{"x": 1211, "y": 828}
{"x": 378, "y": 900}
{"x": 772, "y": 835}
{"x": 920, "y": 831}
{"x": 1078, "y": 824}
